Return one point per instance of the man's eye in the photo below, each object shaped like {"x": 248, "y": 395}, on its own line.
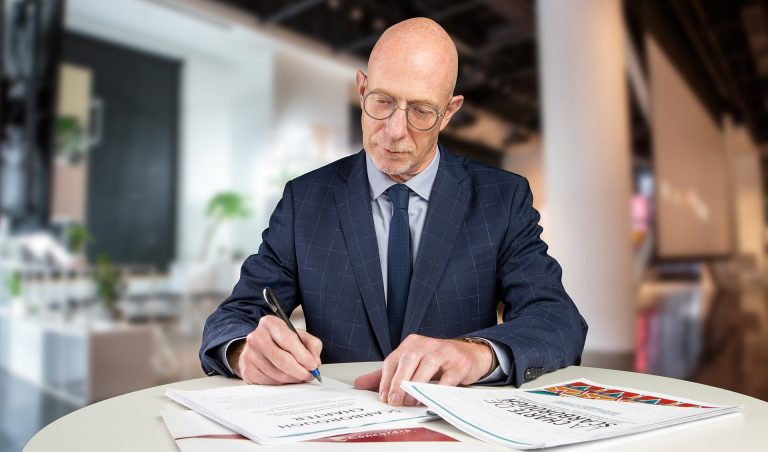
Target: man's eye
{"x": 422, "y": 111}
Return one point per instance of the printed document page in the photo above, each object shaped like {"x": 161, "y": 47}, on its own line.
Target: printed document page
{"x": 279, "y": 414}
{"x": 564, "y": 413}
{"x": 193, "y": 432}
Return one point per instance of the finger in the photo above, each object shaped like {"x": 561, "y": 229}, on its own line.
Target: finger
{"x": 387, "y": 372}
{"x": 408, "y": 400}
{"x": 271, "y": 359}
{"x": 406, "y": 367}
{"x": 260, "y": 350}
{"x": 274, "y": 357}
{"x": 369, "y": 381}
{"x": 288, "y": 341}
{"x": 313, "y": 344}
{"x": 428, "y": 368}
{"x": 275, "y": 373}
{"x": 249, "y": 368}
{"x": 450, "y": 377}
{"x": 254, "y": 376}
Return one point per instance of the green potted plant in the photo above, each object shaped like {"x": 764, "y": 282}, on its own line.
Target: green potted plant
{"x": 14, "y": 285}
{"x": 15, "y": 288}
{"x": 78, "y": 237}
{"x": 109, "y": 285}
{"x": 223, "y": 207}
{"x": 70, "y": 139}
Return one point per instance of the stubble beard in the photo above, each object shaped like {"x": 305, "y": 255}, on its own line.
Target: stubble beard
{"x": 393, "y": 169}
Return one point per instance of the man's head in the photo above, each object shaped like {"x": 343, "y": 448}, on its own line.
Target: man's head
{"x": 414, "y": 62}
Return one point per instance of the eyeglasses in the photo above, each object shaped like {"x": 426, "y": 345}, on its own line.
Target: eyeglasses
{"x": 419, "y": 116}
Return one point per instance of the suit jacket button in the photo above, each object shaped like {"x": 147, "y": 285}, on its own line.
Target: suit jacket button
{"x": 529, "y": 374}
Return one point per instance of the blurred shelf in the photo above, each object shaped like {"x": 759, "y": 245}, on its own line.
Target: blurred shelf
{"x": 80, "y": 361}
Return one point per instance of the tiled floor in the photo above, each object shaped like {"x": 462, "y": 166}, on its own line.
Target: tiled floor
{"x": 25, "y": 409}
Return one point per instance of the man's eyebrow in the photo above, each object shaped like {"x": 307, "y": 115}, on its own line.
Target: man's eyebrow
{"x": 414, "y": 101}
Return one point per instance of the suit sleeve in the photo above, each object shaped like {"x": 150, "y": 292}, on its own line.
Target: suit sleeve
{"x": 274, "y": 266}
{"x": 542, "y": 327}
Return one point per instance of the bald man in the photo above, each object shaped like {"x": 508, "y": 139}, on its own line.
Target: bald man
{"x": 401, "y": 253}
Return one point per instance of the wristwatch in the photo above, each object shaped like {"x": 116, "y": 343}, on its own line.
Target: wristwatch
{"x": 477, "y": 340}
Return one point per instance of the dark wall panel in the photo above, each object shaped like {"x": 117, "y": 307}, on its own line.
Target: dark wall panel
{"x": 132, "y": 171}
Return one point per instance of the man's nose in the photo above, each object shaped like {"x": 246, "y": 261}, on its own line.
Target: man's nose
{"x": 397, "y": 124}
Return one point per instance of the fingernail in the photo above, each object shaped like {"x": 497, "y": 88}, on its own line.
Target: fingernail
{"x": 383, "y": 396}
{"x": 394, "y": 399}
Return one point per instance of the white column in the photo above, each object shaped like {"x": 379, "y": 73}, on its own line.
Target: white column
{"x": 587, "y": 163}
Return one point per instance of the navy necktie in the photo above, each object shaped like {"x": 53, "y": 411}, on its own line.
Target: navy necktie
{"x": 398, "y": 261}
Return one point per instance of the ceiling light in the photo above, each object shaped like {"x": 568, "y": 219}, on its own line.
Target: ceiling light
{"x": 356, "y": 14}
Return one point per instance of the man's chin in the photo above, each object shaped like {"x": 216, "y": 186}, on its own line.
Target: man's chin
{"x": 395, "y": 172}
{"x": 392, "y": 169}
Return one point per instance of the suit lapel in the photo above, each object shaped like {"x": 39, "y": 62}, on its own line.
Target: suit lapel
{"x": 447, "y": 206}
{"x": 353, "y": 201}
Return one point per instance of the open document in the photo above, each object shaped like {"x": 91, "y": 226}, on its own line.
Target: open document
{"x": 564, "y": 413}
{"x": 280, "y": 414}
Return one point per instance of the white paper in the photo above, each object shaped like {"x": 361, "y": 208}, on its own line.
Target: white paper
{"x": 535, "y": 418}
{"x": 193, "y": 432}
{"x": 279, "y": 414}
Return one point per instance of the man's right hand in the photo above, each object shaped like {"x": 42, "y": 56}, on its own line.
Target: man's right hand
{"x": 273, "y": 355}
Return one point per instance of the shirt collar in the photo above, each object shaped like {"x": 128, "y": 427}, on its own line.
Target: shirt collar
{"x": 421, "y": 183}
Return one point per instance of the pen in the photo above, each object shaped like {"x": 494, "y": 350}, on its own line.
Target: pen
{"x": 271, "y": 299}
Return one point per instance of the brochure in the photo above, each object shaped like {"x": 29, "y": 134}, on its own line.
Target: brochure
{"x": 564, "y": 413}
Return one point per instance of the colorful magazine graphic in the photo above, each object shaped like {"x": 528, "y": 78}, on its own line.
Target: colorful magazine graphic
{"x": 584, "y": 390}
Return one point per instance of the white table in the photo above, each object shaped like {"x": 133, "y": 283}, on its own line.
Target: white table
{"x": 132, "y": 422}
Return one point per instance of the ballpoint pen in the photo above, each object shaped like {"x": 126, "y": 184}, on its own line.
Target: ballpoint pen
{"x": 271, "y": 299}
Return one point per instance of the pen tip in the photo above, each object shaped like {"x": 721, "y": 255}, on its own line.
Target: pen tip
{"x": 319, "y": 378}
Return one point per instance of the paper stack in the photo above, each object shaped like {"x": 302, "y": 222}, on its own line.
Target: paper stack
{"x": 565, "y": 413}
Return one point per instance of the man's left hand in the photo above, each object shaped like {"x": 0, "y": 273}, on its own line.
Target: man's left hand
{"x": 423, "y": 359}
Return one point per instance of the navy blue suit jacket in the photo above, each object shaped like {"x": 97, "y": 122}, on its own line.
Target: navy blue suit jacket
{"x": 480, "y": 245}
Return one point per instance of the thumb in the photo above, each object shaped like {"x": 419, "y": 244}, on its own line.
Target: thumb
{"x": 313, "y": 344}
{"x": 369, "y": 381}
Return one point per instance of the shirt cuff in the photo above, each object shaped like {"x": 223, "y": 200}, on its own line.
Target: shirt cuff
{"x": 502, "y": 370}
{"x": 223, "y": 353}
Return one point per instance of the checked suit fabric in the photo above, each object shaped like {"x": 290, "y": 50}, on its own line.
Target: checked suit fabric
{"x": 480, "y": 245}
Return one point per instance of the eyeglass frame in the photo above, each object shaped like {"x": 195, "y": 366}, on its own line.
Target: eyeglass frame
{"x": 398, "y": 107}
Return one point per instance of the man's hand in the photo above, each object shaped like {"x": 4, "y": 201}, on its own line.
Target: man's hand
{"x": 422, "y": 359}
{"x": 273, "y": 355}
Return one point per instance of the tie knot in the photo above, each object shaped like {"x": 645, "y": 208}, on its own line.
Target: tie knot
{"x": 398, "y": 194}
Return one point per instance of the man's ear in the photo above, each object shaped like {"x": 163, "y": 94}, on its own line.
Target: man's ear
{"x": 453, "y": 107}
{"x": 360, "y": 79}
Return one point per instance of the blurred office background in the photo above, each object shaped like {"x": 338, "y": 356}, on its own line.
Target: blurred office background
{"x": 144, "y": 144}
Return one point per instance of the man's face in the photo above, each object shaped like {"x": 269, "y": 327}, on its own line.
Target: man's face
{"x": 395, "y": 147}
